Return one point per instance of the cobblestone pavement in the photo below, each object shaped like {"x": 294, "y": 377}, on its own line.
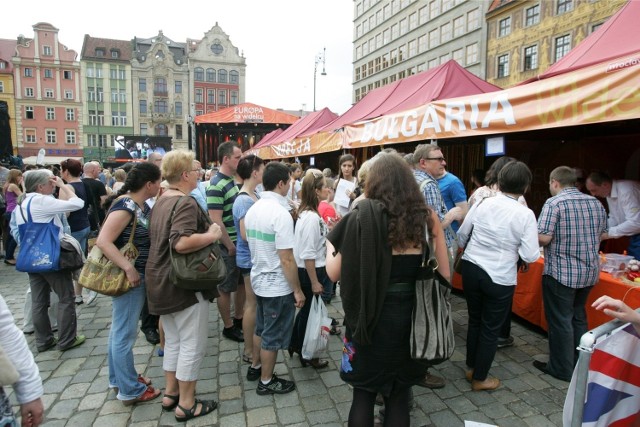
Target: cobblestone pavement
{"x": 76, "y": 392}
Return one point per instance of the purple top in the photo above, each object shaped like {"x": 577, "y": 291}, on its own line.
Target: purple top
{"x": 11, "y": 199}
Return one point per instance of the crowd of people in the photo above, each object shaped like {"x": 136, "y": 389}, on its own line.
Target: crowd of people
{"x": 288, "y": 236}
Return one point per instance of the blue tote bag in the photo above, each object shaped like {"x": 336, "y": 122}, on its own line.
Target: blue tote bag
{"x": 39, "y": 245}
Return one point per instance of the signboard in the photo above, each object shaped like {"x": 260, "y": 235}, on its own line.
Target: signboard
{"x": 133, "y": 147}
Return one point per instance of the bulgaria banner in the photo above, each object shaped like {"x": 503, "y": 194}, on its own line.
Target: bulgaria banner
{"x": 613, "y": 385}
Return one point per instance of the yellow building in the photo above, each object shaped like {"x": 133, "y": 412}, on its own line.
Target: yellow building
{"x": 8, "y": 133}
{"x": 525, "y": 37}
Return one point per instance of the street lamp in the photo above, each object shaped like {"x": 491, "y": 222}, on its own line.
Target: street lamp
{"x": 320, "y": 57}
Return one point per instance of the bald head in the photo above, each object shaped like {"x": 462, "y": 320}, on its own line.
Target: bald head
{"x": 155, "y": 158}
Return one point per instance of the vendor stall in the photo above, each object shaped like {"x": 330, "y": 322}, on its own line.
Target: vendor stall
{"x": 527, "y": 300}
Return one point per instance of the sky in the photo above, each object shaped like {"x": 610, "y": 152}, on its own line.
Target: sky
{"x": 280, "y": 39}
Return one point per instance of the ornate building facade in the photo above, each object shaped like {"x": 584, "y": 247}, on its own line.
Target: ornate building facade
{"x": 8, "y": 134}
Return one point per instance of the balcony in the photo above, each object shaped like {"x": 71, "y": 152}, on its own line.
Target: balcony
{"x": 161, "y": 93}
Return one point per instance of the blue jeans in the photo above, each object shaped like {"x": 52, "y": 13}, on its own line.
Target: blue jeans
{"x": 567, "y": 320}
{"x": 124, "y": 330}
{"x": 274, "y": 321}
{"x": 82, "y": 236}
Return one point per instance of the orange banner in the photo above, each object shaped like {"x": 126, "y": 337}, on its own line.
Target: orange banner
{"x": 600, "y": 93}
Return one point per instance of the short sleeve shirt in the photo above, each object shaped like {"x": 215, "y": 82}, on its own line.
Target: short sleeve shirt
{"x": 240, "y": 208}
{"x": 453, "y": 192}
{"x": 311, "y": 239}
{"x": 269, "y": 227}
{"x": 221, "y": 193}
{"x": 141, "y": 234}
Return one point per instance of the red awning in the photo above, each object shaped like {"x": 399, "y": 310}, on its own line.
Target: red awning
{"x": 247, "y": 113}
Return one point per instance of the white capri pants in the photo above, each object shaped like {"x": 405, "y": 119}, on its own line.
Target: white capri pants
{"x": 185, "y": 334}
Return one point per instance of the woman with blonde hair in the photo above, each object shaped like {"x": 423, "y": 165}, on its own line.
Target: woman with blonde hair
{"x": 120, "y": 175}
{"x": 179, "y": 222}
{"x": 12, "y": 189}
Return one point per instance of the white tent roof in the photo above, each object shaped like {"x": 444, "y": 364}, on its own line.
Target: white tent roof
{"x": 49, "y": 160}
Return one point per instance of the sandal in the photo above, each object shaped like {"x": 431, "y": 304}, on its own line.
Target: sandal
{"x": 175, "y": 399}
{"x": 207, "y": 406}
{"x": 143, "y": 380}
{"x": 335, "y": 330}
{"x": 247, "y": 358}
{"x": 149, "y": 394}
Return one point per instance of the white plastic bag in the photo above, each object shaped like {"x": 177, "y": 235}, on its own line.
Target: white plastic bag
{"x": 316, "y": 336}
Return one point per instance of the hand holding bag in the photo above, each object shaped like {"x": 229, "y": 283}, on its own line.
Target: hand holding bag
{"x": 39, "y": 245}
{"x": 202, "y": 270}
{"x": 316, "y": 336}
{"x": 102, "y": 275}
{"x": 432, "y": 338}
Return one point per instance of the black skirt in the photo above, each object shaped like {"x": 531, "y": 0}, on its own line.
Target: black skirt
{"x": 385, "y": 364}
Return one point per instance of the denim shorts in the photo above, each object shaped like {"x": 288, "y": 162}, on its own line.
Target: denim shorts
{"x": 230, "y": 284}
{"x": 274, "y": 321}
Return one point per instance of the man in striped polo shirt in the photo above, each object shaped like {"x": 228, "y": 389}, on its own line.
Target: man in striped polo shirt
{"x": 570, "y": 227}
{"x": 221, "y": 193}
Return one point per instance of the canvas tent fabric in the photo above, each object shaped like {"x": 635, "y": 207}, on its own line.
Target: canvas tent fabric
{"x": 446, "y": 81}
{"x": 614, "y": 39}
{"x": 270, "y": 136}
{"x": 246, "y": 113}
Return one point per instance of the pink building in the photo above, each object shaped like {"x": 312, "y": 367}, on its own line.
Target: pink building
{"x": 48, "y": 96}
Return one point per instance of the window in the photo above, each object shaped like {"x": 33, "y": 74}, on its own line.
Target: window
{"x": 198, "y": 97}
{"x": 142, "y": 85}
{"x": 28, "y": 92}
{"x": 113, "y": 74}
{"x": 143, "y": 129}
{"x": 234, "y": 77}
{"x": 394, "y": 59}
{"x": 114, "y": 95}
{"x": 1, "y": 87}
{"x": 564, "y": 6}
{"x": 530, "y": 58}
{"x": 161, "y": 130}
{"x": 198, "y": 74}
{"x": 30, "y": 136}
{"x": 28, "y": 112}
{"x": 445, "y": 58}
{"x": 3, "y": 65}
{"x": 160, "y": 86}
{"x": 596, "y": 26}
{"x": 115, "y": 53}
{"x": 211, "y": 96}
{"x": 458, "y": 26}
{"x": 234, "y": 97}
{"x": 503, "y": 65}
{"x": 434, "y": 39}
{"x": 100, "y": 52}
{"x": 472, "y": 54}
{"x": 178, "y": 108}
{"x": 91, "y": 72}
{"x": 51, "y": 136}
{"x": 211, "y": 75}
{"x": 402, "y": 55}
{"x": 143, "y": 107}
{"x": 473, "y": 19}
{"x": 434, "y": 9}
{"x": 433, "y": 63}
{"x": 394, "y": 31}
{"x": 68, "y": 94}
{"x": 532, "y": 15}
{"x": 413, "y": 49}
{"x": 178, "y": 86}
{"x": 46, "y": 50}
{"x": 28, "y": 72}
{"x": 70, "y": 114}
{"x": 222, "y": 76}
{"x": 123, "y": 96}
{"x": 48, "y": 73}
{"x": 99, "y": 94}
{"x": 378, "y": 40}
{"x": 118, "y": 118}
{"x": 423, "y": 15}
{"x": 70, "y": 137}
{"x": 178, "y": 131}
{"x": 160, "y": 106}
{"x": 563, "y": 46}
{"x": 504, "y": 27}
{"x": 222, "y": 97}
{"x": 445, "y": 32}
{"x": 458, "y": 56}
{"x": 403, "y": 27}
{"x": 446, "y": 5}
{"x": 51, "y": 113}
{"x": 48, "y": 93}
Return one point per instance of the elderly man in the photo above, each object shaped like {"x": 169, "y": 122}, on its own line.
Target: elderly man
{"x": 221, "y": 193}
{"x": 623, "y": 198}
{"x": 570, "y": 227}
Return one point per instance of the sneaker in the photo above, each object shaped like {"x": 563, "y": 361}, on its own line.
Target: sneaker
{"x": 505, "y": 342}
{"x": 48, "y": 346}
{"x": 92, "y": 297}
{"x": 276, "y": 386}
{"x": 233, "y": 333}
{"x": 79, "y": 300}
{"x": 254, "y": 373}
{"x": 79, "y": 340}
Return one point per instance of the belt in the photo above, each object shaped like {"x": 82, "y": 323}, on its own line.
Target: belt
{"x": 401, "y": 287}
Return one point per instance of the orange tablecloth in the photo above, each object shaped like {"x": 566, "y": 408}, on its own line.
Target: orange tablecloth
{"x": 527, "y": 301}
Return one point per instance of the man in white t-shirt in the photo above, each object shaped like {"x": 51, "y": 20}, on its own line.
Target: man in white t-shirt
{"x": 274, "y": 277}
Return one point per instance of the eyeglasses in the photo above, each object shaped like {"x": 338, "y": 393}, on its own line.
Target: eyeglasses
{"x": 439, "y": 159}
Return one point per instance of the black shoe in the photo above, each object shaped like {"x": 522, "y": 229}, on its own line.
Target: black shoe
{"x": 48, "y": 346}
{"x": 276, "y": 386}
{"x": 505, "y": 342}
{"x": 152, "y": 336}
{"x": 543, "y": 367}
{"x": 254, "y": 373}
{"x": 233, "y": 334}
{"x": 237, "y": 323}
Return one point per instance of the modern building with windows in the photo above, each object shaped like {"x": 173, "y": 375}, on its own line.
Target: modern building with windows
{"x": 47, "y": 88}
{"x": 525, "y": 37}
{"x": 106, "y": 93}
{"x": 394, "y": 39}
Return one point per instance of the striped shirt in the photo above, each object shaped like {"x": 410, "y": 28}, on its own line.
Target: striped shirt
{"x": 433, "y": 197}
{"x": 575, "y": 221}
{"x": 221, "y": 193}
